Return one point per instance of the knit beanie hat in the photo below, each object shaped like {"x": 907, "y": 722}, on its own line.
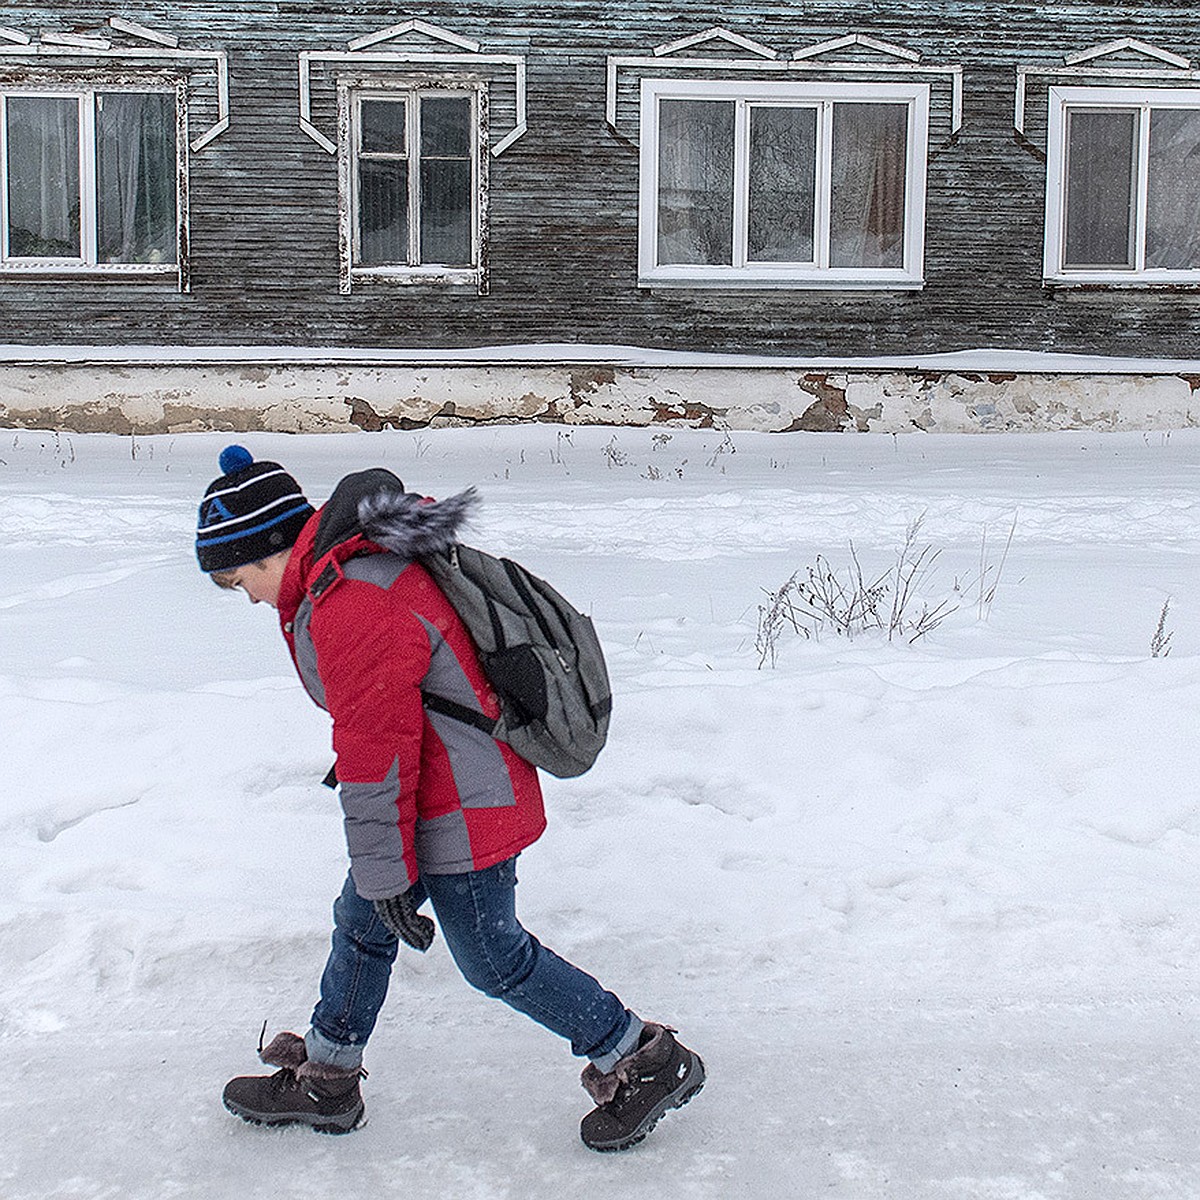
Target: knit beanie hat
{"x": 253, "y": 511}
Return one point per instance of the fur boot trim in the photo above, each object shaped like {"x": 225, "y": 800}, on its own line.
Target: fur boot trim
{"x": 326, "y": 1072}
{"x": 286, "y": 1050}
{"x": 603, "y": 1087}
{"x": 410, "y": 526}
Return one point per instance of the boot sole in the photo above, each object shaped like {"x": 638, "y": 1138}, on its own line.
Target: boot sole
{"x": 693, "y": 1085}
{"x": 343, "y": 1123}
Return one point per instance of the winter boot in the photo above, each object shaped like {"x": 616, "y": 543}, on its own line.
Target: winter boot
{"x": 660, "y": 1074}
{"x": 299, "y": 1093}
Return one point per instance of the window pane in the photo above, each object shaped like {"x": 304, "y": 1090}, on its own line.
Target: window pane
{"x": 869, "y": 172}
{"x": 1173, "y": 217}
{"x": 695, "y": 182}
{"x": 446, "y": 181}
{"x": 383, "y": 212}
{"x": 1100, "y": 174}
{"x": 446, "y": 127}
{"x": 783, "y": 147}
{"x": 135, "y": 177}
{"x": 43, "y": 177}
{"x": 446, "y": 212}
{"x": 382, "y": 127}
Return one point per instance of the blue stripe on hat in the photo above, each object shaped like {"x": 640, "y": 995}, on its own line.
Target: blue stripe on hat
{"x": 232, "y": 537}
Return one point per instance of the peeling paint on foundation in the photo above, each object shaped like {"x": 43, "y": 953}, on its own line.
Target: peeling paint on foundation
{"x": 828, "y": 413}
{"x": 586, "y": 383}
{"x": 301, "y": 397}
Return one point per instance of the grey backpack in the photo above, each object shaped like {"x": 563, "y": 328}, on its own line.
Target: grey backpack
{"x": 541, "y": 656}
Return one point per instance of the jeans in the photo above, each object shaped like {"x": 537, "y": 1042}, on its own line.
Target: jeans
{"x": 477, "y": 915}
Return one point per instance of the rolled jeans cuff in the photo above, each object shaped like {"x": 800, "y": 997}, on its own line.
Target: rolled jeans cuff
{"x": 627, "y": 1044}
{"x": 333, "y": 1054}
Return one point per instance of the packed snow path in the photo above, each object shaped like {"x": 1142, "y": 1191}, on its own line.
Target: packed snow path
{"x": 930, "y": 910}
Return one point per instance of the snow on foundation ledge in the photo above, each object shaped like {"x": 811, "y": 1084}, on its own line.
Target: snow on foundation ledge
{"x": 169, "y": 389}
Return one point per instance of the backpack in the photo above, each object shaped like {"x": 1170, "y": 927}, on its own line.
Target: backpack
{"x": 540, "y": 655}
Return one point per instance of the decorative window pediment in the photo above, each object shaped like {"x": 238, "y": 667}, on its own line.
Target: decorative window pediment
{"x": 888, "y": 49}
{"x": 716, "y": 34}
{"x": 418, "y": 46}
{"x": 1124, "y": 60}
{"x": 852, "y": 56}
{"x": 125, "y": 45}
{"x": 1128, "y": 48}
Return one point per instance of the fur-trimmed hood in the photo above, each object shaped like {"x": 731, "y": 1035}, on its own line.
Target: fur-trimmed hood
{"x": 410, "y": 525}
{"x": 374, "y": 503}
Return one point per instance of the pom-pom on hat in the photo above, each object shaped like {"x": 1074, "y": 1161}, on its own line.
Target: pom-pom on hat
{"x": 254, "y": 510}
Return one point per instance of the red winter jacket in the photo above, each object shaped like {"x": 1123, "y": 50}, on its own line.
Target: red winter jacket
{"x": 369, "y": 630}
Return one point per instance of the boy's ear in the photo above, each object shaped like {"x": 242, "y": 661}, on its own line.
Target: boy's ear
{"x": 265, "y": 564}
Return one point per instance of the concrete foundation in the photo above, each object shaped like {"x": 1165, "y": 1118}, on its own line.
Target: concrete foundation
{"x": 303, "y": 396}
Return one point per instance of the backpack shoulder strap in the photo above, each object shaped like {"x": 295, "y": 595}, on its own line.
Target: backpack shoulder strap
{"x": 460, "y": 712}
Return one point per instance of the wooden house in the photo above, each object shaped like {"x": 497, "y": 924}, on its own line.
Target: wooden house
{"x": 778, "y": 215}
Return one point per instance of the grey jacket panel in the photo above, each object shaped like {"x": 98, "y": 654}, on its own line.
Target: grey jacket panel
{"x": 306, "y": 652}
{"x": 373, "y": 836}
{"x": 480, "y": 774}
{"x": 443, "y": 846}
{"x": 380, "y": 569}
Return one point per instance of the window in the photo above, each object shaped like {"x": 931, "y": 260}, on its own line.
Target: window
{"x": 415, "y": 177}
{"x": 90, "y": 181}
{"x": 782, "y": 184}
{"x": 1122, "y": 203}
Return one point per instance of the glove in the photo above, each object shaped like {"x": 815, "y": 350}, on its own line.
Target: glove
{"x": 400, "y": 915}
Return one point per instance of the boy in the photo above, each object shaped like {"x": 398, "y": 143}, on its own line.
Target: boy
{"x": 435, "y": 809}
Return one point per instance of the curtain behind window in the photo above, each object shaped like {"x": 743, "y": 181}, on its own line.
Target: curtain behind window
{"x": 43, "y": 176}
{"x": 782, "y": 201}
{"x": 1173, "y": 214}
{"x": 695, "y": 182}
{"x": 135, "y": 177}
{"x": 1100, "y": 176}
{"x": 870, "y": 151}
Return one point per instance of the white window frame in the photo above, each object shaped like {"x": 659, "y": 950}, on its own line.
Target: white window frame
{"x": 351, "y": 97}
{"x": 822, "y": 96}
{"x": 87, "y": 262}
{"x": 1143, "y": 100}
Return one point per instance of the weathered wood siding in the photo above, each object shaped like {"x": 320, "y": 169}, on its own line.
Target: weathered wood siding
{"x": 562, "y": 239}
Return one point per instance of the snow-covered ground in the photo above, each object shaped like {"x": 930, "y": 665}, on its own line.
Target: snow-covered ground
{"x": 929, "y": 910}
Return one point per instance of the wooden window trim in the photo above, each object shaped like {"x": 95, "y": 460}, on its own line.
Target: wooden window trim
{"x": 84, "y": 90}
{"x": 1141, "y": 100}
{"x": 352, "y": 275}
{"x": 786, "y": 275}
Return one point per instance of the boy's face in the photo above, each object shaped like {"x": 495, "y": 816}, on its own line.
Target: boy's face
{"x": 260, "y": 580}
